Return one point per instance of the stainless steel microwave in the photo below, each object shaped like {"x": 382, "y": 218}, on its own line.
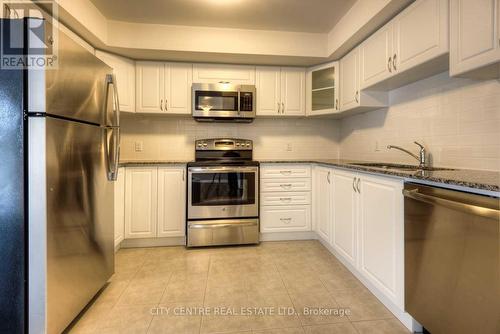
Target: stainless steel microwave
{"x": 223, "y": 102}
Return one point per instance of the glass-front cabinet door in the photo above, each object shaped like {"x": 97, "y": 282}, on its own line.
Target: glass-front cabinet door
{"x": 323, "y": 83}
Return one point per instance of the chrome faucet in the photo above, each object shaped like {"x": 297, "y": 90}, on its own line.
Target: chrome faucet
{"x": 421, "y": 158}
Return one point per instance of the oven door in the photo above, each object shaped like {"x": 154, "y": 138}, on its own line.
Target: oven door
{"x": 223, "y": 192}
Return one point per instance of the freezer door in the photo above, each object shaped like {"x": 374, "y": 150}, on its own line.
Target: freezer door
{"x": 81, "y": 88}
{"x": 80, "y": 245}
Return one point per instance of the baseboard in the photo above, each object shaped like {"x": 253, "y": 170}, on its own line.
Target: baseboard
{"x": 284, "y": 236}
{"x": 153, "y": 242}
{"x": 405, "y": 318}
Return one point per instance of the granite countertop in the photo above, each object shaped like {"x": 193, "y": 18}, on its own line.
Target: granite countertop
{"x": 476, "y": 179}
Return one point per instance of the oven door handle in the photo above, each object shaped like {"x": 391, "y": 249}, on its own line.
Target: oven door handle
{"x": 223, "y": 169}
{"x": 199, "y": 226}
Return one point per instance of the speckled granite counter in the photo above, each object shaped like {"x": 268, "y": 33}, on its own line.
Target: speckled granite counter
{"x": 476, "y": 179}
{"x": 143, "y": 163}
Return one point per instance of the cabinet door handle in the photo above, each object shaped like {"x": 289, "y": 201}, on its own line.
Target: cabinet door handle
{"x": 353, "y": 184}
{"x": 389, "y": 62}
{"x": 286, "y": 220}
{"x": 285, "y": 199}
{"x": 282, "y": 107}
{"x": 285, "y": 172}
{"x": 279, "y": 109}
{"x": 394, "y": 62}
{"x": 161, "y": 104}
{"x": 357, "y": 186}
{"x": 328, "y": 177}
{"x": 289, "y": 185}
{"x": 337, "y": 104}
{"x": 356, "y": 96}
{"x": 183, "y": 177}
{"x": 166, "y": 104}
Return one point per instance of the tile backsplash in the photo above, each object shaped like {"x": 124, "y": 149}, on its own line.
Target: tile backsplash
{"x": 458, "y": 120}
{"x": 172, "y": 138}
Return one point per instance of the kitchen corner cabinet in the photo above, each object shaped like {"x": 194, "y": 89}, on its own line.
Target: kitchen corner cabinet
{"x": 155, "y": 202}
{"x": 475, "y": 38}
{"x": 280, "y": 91}
{"x": 352, "y": 98}
{"x": 163, "y": 87}
{"x": 406, "y": 50}
{"x": 322, "y": 202}
{"x": 322, "y": 90}
{"x": 124, "y": 71}
{"x": 119, "y": 207}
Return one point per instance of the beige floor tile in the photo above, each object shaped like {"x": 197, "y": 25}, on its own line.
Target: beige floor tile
{"x": 127, "y": 319}
{"x": 91, "y": 319}
{"x": 177, "y": 318}
{"x": 272, "y": 311}
{"x": 363, "y": 305}
{"x": 112, "y": 292}
{"x": 297, "y": 330}
{"x": 229, "y": 292}
{"x": 143, "y": 292}
{"x": 391, "y": 326}
{"x": 185, "y": 288}
{"x": 226, "y": 317}
{"x": 340, "y": 279}
{"x": 342, "y": 328}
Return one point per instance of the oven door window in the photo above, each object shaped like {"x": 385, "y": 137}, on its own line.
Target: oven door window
{"x": 211, "y": 189}
{"x": 217, "y": 101}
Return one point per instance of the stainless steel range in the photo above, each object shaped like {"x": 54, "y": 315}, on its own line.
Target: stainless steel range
{"x": 223, "y": 194}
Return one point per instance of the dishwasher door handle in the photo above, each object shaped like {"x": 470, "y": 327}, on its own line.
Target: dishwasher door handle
{"x": 460, "y": 206}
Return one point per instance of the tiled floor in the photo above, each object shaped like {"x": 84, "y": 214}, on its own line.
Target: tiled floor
{"x": 265, "y": 289}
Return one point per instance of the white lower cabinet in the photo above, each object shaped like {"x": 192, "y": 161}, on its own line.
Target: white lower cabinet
{"x": 119, "y": 207}
{"x": 345, "y": 212}
{"x": 381, "y": 235}
{"x": 171, "y": 202}
{"x": 322, "y": 202}
{"x": 285, "y": 198}
{"x": 154, "y": 202}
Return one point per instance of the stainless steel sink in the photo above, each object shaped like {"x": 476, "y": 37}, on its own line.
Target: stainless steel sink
{"x": 397, "y": 166}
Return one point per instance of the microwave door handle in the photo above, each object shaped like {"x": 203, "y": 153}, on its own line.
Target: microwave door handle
{"x": 239, "y": 102}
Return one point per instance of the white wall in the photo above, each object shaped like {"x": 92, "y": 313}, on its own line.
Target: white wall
{"x": 458, "y": 120}
{"x": 167, "y": 138}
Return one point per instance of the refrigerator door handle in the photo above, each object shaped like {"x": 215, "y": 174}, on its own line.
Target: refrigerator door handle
{"x": 111, "y": 80}
{"x": 112, "y": 160}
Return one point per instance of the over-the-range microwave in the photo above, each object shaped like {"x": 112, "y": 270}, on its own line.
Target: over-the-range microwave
{"x": 223, "y": 102}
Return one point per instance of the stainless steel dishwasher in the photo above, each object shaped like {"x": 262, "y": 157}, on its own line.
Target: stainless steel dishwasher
{"x": 452, "y": 260}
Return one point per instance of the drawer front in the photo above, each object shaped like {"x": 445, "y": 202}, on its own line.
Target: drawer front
{"x": 285, "y": 184}
{"x": 285, "y": 218}
{"x": 282, "y": 198}
{"x": 285, "y": 171}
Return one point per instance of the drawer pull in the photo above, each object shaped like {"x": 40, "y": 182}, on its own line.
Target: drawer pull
{"x": 285, "y": 172}
{"x": 286, "y": 220}
{"x": 289, "y": 185}
{"x": 285, "y": 199}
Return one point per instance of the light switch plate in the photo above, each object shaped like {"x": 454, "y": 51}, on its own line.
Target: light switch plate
{"x": 138, "y": 146}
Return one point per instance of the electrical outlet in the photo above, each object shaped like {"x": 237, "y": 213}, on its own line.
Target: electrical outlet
{"x": 289, "y": 147}
{"x": 377, "y": 147}
{"x": 138, "y": 145}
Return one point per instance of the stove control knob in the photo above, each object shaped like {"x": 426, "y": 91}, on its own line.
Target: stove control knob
{"x": 199, "y": 145}
{"x": 237, "y": 144}
{"x": 205, "y": 144}
{"x": 248, "y": 144}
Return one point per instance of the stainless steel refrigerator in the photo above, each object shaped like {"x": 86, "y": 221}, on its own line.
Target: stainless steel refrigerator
{"x": 60, "y": 149}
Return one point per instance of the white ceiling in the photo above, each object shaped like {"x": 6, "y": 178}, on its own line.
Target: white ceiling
{"x": 315, "y": 16}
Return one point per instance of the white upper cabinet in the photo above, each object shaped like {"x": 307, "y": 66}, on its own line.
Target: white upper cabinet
{"x": 349, "y": 84}
{"x": 293, "y": 91}
{"x": 141, "y": 193}
{"x": 171, "y": 201}
{"x": 420, "y": 34}
{"x": 217, "y": 73}
{"x": 178, "y": 82}
{"x": 268, "y": 83}
{"x": 412, "y": 46}
{"x": 322, "y": 90}
{"x": 475, "y": 38}
{"x": 280, "y": 91}
{"x": 382, "y": 235}
{"x": 322, "y": 202}
{"x": 345, "y": 208}
{"x": 150, "y": 87}
{"x": 163, "y": 87}
{"x": 124, "y": 71}
{"x": 376, "y": 57}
